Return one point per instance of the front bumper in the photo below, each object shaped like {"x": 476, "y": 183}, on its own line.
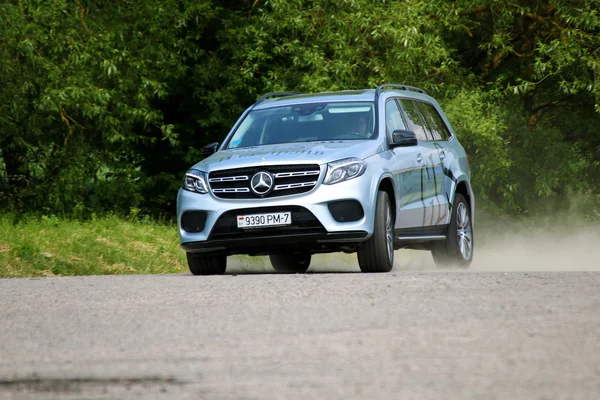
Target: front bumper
{"x": 324, "y": 233}
{"x": 316, "y": 242}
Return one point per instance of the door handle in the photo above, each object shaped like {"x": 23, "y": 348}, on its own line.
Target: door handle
{"x": 442, "y": 155}
{"x": 419, "y": 157}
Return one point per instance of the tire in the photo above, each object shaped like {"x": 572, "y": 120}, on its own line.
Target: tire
{"x": 377, "y": 253}
{"x": 207, "y": 264}
{"x": 457, "y": 249}
{"x": 290, "y": 263}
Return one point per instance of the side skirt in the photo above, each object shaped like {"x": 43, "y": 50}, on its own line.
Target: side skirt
{"x": 419, "y": 238}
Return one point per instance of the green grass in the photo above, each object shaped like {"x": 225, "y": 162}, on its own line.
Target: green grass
{"x": 106, "y": 246}
{"x": 50, "y": 246}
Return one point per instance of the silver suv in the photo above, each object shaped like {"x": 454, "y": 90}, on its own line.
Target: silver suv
{"x": 365, "y": 171}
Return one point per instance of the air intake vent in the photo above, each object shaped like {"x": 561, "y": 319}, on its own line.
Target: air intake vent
{"x": 193, "y": 221}
{"x": 346, "y": 210}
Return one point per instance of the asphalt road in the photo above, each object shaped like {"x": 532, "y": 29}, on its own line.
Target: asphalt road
{"x": 402, "y": 335}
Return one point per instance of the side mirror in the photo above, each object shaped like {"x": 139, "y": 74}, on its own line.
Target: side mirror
{"x": 210, "y": 149}
{"x": 402, "y": 137}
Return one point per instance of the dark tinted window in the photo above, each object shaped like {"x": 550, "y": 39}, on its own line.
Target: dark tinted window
{"x": 414, "y": 118}
{"x": 438, "y": 128}
{"x": 393, "y": 117}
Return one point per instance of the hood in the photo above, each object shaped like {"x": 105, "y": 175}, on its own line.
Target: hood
{"x": 289, "y": 153}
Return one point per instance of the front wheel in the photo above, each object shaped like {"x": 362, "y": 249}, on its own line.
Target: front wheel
{"x": 207, "y": 264}
{"x": 457, "y": 250}
{"x": 377, "y": 253}
{"x": 290, "y": 262}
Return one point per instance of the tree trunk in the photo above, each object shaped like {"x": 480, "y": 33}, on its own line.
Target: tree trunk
{"x": 14, "y": 153}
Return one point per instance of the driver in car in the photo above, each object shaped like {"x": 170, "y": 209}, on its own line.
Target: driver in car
{"x": 362, "y": 125}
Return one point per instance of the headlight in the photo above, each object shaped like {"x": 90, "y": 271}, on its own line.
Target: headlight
{"x": 343, "y": 170}
{"x": 195, "y": 181}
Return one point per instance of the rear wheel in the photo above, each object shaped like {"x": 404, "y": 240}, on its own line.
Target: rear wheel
{"x": 457, "y": 250}
{"x": 377, "y": 253}
{"x": 207, "y": 264}
{"x": 290, "y": 262}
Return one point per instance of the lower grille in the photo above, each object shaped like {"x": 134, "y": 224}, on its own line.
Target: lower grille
{"x": 286, "y": 180}
{"x": 193, "y": 221}
{"x": 346, "y": 210}
{"x": 303, "y": 221}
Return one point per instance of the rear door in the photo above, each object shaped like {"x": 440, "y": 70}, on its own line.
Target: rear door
{"x": 439, "y": 135}
{"x": 445, "y": 180}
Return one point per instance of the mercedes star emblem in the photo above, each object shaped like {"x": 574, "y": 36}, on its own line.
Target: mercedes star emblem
{"x": 261, "y": 183}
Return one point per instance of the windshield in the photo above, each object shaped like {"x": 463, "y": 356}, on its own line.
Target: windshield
{"x": 311, "y": 122}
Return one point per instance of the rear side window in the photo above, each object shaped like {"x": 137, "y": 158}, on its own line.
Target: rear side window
{"x": 415, "y": 120}
{"x": 438, "y": 128}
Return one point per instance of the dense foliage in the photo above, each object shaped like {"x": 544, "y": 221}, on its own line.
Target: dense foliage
{"x": 105, "y": 104}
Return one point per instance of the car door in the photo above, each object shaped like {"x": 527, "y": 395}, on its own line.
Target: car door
{"x": 427, "y": 163}
{"x": 407, "y": 174}
{"x": 445, "y": 180}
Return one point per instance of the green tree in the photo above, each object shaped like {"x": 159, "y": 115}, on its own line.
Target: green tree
{"x": 540, "y": 60}
{"x": 103, "y": 105}
{"x": 78, "y": 83}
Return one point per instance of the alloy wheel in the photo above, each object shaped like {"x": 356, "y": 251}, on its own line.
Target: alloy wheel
{"x": 464, "y": 231}
{"x": 389, "y": 233}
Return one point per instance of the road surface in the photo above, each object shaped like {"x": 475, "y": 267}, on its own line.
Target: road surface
{"x": 402, "y": 335}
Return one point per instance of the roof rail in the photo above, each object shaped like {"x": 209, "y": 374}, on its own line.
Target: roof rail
{"x": 401, "y": 87}
{"x": 274, "y": 94}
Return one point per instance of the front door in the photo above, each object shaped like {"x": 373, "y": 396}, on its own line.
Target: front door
{"x": 410, "y": 173}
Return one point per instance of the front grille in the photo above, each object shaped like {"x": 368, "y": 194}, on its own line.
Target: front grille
{"x": 287, "y": 180}
{"x": 303, "y": 221}
{"x": 193, "y": 221}
{"x": 346, "y": 210}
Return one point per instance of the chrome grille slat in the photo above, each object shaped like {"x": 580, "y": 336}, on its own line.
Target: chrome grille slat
{"x": 292, "y": 174}
{"x": 231, "y": 190}
{"x": 287, "y": 180}
{"x": 230, "y": 179}
{"x": 295, "y": 185}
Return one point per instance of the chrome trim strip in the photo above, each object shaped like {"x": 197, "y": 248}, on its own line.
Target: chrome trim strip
{"x": 229, "y": 179}
{"x": 299, "y": 173}
{"x": 231, "y": 190}
{"x": 295, "y": 185}
{"x": 432, "y": 237}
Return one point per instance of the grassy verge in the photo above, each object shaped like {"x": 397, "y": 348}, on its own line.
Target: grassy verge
{"x": 105, "y": 246}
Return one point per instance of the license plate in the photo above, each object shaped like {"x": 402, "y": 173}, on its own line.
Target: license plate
{"x": 262, "y": 220}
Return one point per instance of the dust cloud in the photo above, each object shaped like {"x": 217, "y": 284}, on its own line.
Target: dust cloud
{"x": 553, "y": 249}
{"x": 559, "y": 247}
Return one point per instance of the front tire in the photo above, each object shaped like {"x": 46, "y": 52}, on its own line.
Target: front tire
{"x": 457, "y": 250}
{"x": 207, "y": 264}
{"x": 290, "y": 263}
{"x": 377, "y": 253}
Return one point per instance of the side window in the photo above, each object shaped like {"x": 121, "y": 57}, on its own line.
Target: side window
{"x": 393, "y": 117}
{"x": 248, "y": 133}
{"x": 415, "y": 120}
{"x": 438, "y": 128}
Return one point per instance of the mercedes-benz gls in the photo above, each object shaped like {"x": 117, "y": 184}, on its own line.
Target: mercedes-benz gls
{"x": 365, "y": 171}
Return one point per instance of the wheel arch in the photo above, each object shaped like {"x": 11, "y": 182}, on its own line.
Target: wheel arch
{"x": 386, "y": 183}
{"x": 464, "y": 188}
